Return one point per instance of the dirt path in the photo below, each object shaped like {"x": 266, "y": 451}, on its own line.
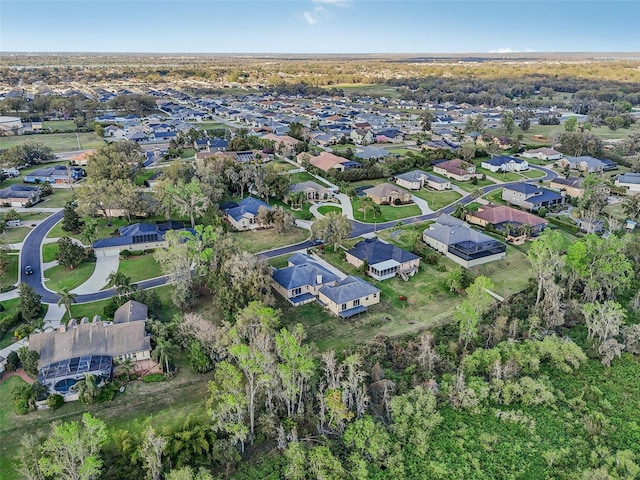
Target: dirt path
{"x": 18, "y": 373}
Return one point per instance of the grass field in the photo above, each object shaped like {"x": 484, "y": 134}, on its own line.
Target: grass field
{"x": 58, "y": 199}
{"x": 210, "y": 125}
{"x": 495, "y": 197}
{"x": 10, "y": 275}
{"x": 301, "y": 213}
{"x": 15, "y": 234}
{"x": 470, "y": 187}
{"x": 328, "y": 208}
{"x": 59, "y": 277}
{"x": 387, "y": 212}
{"x": 300, "y": 177}
{"x": 437, "y": 200}
{"x": 57, "y": 125}
{"x": 267, "y": 239}
{"x": 505, "y": 177}
{"x": 532, "y": 174}
{"x": 103, "y": 230}
{"x": 49, "y": 251}
{"x": 58, "y": 142}
{"x": 140, "y": 268}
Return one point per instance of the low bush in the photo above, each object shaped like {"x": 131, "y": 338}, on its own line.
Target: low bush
{"x": 153, "y": 378}
{"x": 55, "y": 401}
{"x": 21, "y": 406}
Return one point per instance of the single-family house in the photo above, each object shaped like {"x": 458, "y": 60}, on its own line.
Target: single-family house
{"x": 361, "y": 136}
{"x": 461, "y": 243}
{"x": 386, "y": 194}
{"x": 200, "y": 144}
{"x": 417, "y": 179}
{"x": 505, "y": 164}
{"x": 630, "y": 181}
{"x": 348, "y": 296}
{"x": 217, "y": 145}
{"x": 456, "y": 169}
{"x": 531, "y": 197}
{"x": 544, "y": 153}
{"x": 283, "y": 144}
{"x": 136, "y": 237}
{"x": 326, "y": 161}
{"x": 20, "y": 195}
{"x": 502, "y": 217}
{"x": 587, "y": 164}
{"x": 300, "y": 282}
{"x": 371, "y": 153}
{"x": 243, "y": 215}
{"x": 56, "y": 174}
{"x": 131, "y": 311}
{"x": 75, "y": 350}
{"x": 383, "y": 260}
{"x": 114, "y": 132}
{"x": 312, "y": 191}
{"x": 571, "y": 186}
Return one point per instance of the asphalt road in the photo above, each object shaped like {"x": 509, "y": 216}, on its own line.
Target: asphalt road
{"x": 30, "y": 253}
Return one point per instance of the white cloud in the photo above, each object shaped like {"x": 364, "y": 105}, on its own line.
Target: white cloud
{"x": 511, "y": 50}
{"x": 314, "y": 16}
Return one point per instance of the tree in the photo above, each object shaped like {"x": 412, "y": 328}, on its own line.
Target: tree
{"x": 29, "y": 153}
{"x": 176, "y": 261}
{"x": 603, "y": 324}
{"x": 29, "y": 361}
{"x": 150, "y": 451}
{"x": 72, "y": 451}
{"x": 426, "y": 119}
{"x": 227, "y": 404}
{"x": 467, "y": 152}
{"x": 295, "y": 367}
{"x": 296, "y": 130}
{"x": 414, "y": 417}
{"x": 333, "y": 228}
{"x": 580, "y": 143}
{"x": 570, "y": 124}
{"x": 89, "y": 233}
{"x": 631, "y": 206}
{"x": 187, "y": 198}
{"x": 121, "y": 282}
{"x": 547, "y": 260}
{"x": 114, "y": 161}
{"x": 4, "y": 255}
{"x": 455, "y": 279}
{"x": 30, "y": 303}
{"x": 163, "y": 352}
{"x": 594, "y": 199}
{"x": 69, "y": 254}
{"x": 508, "y": 122}
{"x": 187, "y": 473}
{"x": 71, "y": 222}
{"x": 103, "y": 196}
{"x": 525, "y": 124}
{"x": 66, "y": 299}
{"x": 88, "y": 388}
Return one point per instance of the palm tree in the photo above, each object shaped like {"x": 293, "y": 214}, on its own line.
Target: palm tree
{"x": 163, "y": 351}
{"x": 121, "y": 282}
{"x": 126, "y": 366}
{"x": 88, "y": 388}
{"x": 66, "y": 299}
{"x": 89, "y": 233}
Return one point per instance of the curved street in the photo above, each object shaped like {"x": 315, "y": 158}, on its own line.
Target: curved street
{"x": 31, "y": 249}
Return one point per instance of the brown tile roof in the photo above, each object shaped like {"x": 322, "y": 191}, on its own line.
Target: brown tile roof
{"x": 326, "y": 160}
{"x": 496, "y": 214}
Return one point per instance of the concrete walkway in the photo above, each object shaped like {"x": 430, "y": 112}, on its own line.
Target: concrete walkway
{"x": 54, "y": 315}
{"x": 340, "y": 274}
{"x": 306, "y": 224}
{"x": 100, "y": 277}
{"x": 47, "y": 265}
{"x": 422, "y": 203}
{"x": 14, "y": 347}
{"x": 345, "y": 203}
{"x": 10, "y": 295}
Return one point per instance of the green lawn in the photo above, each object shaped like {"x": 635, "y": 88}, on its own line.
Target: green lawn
{"x": 405, "y": 235}
{"x": 300, "y": 177}
{"x": 533, "y": 173}
{"x": 267, "y": 239}
{"x": 58, "y": 199}
{"x": 88, "y": 309}
{"x": 58, "y": 142}
{"x": 187, "y": 153}
{"x": 387, "y": 212}
{"x": 103, "y": 230}
{"x": 143, "y": 177}
{"x": 140, "y": 268}
{"x": 399, "y": 150}
{"x": 57, "y": 125}
{"x": 49, "y": 251}
{"x": 210, "y": 125}
{"x": 505, "y": 177}
{"x": 329, "y": 208}
{"x": 10, "y": 276}
{"x": 470, "y": 187}
{"x": 362, "y": 183}
{"x": 437, "y": 200}
{"x": 7, "y": 413}
{"x": 15, "y": 234}
{"x": 496, "y": 197}
{"x": 59, "y": 277}
{"x": 301, "y": 213}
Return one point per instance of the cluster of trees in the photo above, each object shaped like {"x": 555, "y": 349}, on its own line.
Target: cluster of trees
{"x": 29, "y": 153}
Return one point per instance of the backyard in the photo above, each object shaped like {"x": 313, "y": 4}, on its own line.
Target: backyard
{"x": 255, "y": 241}
{"x": 437, "y": 200}
{"x": 387, "y": 212}
{"x": 58, "y": 142}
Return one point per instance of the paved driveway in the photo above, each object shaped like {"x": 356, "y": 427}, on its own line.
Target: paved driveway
{"x": 100, "y": 277}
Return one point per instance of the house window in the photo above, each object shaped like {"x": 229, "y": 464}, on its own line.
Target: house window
{"x": 296, "y": 291}
{"x": 375, "y": 295}
{"x": 356, "y": 302}
{"x": 343, "y": 306}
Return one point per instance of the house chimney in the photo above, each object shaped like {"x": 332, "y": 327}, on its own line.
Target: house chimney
{"x": 318, "y": 279}
{"x": 62, "y": 328}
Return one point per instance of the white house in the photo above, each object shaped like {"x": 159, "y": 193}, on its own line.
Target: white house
{"x": 505, "y": 164}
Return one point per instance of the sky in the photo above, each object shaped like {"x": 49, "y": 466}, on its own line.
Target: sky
{"x": 320, "y": 26}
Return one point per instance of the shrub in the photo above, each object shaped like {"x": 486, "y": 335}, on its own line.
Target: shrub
{"x": 55, "y": 401}
{"x": 21, "y": 406}
{"x": 397, "y": 201}
{"x": 153, "y": 378}
{"x": 7, "y": 322}
{"x": 125, "y": 253}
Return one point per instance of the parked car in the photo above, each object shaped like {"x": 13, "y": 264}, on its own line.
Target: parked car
{"x": 28, "y": 270}
{"x": 317, "y": 242}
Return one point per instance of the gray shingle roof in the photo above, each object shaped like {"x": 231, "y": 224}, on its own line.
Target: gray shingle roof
{"x": 374, "y": 251}
{"x": 302, "y": 274}
{"x": 348, "y": 289}
{"x": 130, "y": 312}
